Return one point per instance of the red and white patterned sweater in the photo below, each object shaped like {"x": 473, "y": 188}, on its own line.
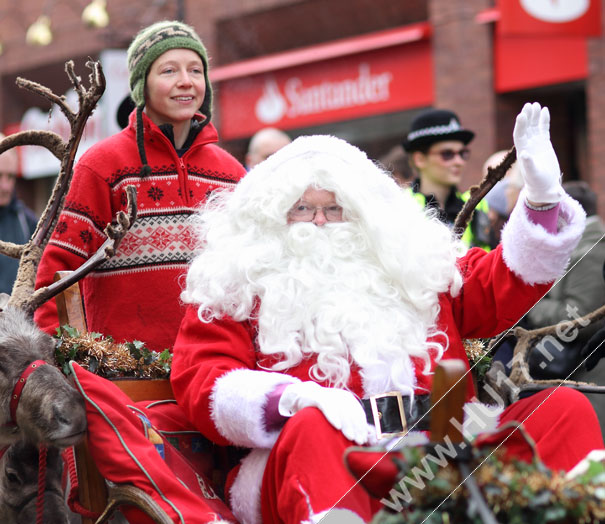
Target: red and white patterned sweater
{"x": 135, "y": 295}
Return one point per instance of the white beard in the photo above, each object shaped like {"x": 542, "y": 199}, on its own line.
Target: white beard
{"x": 364, "y": 291}
{"x": 328, "y": 297}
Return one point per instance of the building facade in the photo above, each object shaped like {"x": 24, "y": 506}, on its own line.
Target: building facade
{"x": 358, "y": 69}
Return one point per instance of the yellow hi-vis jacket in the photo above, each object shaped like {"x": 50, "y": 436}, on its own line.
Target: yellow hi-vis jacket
{"x": 477, "y": 232}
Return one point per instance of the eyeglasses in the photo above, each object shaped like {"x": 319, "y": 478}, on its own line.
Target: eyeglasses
{"x": 302, "y": 212}
{"x": 449, "y": 154}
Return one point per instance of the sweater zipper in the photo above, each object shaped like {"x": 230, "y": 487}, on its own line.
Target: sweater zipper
{"x": 183, "y": 181}
{"x": 184, "y": 176}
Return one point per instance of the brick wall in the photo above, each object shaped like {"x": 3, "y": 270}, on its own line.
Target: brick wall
{"x": 462, "y": 54}
{"x": 291, "y": 25}
{"x": 71, "y": 37}
{"x": 595, "y": 101}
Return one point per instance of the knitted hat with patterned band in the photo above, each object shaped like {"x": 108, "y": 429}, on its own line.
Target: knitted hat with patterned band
{"x": 435, "y": 125}
{"x": 145, "y": 48}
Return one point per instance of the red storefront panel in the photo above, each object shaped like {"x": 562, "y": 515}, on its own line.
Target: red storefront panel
{"x": 371, "y": 83}
{"x": 525, "y": 62}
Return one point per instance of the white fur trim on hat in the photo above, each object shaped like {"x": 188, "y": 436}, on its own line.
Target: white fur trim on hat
{"x": 244, "y": 496}
{"x": 534, "y": 254}
{"x": 237, "y": 406}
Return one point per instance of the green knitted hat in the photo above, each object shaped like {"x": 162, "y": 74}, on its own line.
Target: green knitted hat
{"x": 154, "y": 40}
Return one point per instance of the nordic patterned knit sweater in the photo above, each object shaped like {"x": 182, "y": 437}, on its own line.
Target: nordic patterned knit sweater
{"x": 135, "y": 295}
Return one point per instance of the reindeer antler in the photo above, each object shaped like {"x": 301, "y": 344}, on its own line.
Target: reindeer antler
{"x": 23, "y": 296}
{"x": 477, "y": 192}
{"x": 520, "y": 379}
{"x": 64, "y": 151}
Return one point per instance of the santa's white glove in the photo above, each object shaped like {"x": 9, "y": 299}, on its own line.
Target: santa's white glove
{"x": 537, "y": 159}
{"x": 340, "y": 407}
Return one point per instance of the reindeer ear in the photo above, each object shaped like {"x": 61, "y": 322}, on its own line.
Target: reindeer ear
{"x": 4, "y": 298}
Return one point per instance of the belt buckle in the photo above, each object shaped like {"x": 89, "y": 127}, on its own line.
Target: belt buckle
{"x": 377, "y": 415}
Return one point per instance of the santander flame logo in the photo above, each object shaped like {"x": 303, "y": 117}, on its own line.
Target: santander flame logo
{"x": 271, "y": 106}
{"x": 556, "y": 11}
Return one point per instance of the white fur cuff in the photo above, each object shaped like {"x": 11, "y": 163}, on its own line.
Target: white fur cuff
{"x": 534, "y": 254}
{"x": 238, "y": 402}
{"x": 245, "y": 496}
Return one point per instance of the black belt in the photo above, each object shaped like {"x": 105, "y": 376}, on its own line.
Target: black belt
{"x": 390, "y": 413}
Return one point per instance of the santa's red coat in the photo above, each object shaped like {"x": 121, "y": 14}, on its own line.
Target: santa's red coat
{"x": 220, "y": 378}
{"x": 203, "y": 353}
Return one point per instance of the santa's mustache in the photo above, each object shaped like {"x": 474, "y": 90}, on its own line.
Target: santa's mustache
{"x": 338, "y": 239}
{"x": 328, "y": 298}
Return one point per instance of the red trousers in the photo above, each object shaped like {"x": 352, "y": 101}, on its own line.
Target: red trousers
{"x": 562, "y": 423}
{"x": 306, "y": 475}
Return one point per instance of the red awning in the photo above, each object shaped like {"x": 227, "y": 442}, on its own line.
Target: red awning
{"x": 316, "y": 53}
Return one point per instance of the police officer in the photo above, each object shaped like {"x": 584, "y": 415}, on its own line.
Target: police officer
{"x": 437, "y": 146}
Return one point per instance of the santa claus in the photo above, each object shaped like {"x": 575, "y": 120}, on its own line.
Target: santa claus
{"x": 321, "y": 283}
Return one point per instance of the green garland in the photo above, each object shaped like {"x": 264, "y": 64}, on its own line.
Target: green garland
{"x": 103, "y": 356}
{"x": 516, "y": 492}
{"x": 479, "y": 358}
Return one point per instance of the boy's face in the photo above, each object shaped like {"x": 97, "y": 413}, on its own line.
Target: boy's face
{"x": 443, "y": 163}
{"x": 175, "y": 87}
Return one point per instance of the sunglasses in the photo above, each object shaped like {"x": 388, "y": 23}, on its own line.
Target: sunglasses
{"x": 449, "y": 154}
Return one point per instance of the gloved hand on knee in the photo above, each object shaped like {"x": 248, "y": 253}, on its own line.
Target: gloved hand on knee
{"x": 537, "y": 159}
{"x": 340, "y": 407}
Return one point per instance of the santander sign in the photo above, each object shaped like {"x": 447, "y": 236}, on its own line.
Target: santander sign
{"x": 344, "y": 88}
{"x": 298, "y": 99}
